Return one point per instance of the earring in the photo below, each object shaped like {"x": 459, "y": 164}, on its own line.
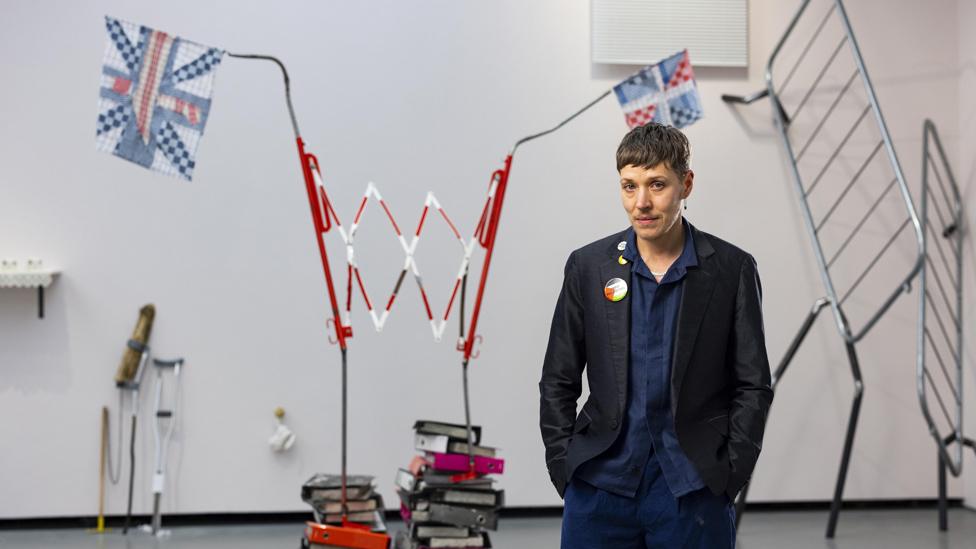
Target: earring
{"x": 685, "y": 201}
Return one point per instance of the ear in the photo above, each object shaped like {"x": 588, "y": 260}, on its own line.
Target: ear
{"x": 689, "y": 183}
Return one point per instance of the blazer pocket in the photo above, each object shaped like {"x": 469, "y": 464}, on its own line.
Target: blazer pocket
{"x": 720, "y": 424}
{"x": 582, "y": 422}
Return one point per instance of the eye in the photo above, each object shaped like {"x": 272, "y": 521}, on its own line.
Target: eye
{"x": 629, "y": 186}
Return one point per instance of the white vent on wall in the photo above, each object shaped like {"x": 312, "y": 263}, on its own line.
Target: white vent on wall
{"x": 640, "y": 32}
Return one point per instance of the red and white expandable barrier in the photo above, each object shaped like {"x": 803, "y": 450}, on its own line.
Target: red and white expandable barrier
{"x": 354, "y": 276}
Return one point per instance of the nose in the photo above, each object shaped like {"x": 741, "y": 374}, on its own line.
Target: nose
{"x": 643, "y": 198}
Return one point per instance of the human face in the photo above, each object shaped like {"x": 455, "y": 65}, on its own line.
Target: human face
{"x": 652, "y": 199}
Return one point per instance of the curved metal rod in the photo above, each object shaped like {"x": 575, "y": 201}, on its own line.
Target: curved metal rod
{"x": 284, "y": 73}
{"x": 561, "y": 124}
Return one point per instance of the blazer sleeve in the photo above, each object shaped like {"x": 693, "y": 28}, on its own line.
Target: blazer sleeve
{"x": 562, "y": 374}
{"x": 752, "y": 393}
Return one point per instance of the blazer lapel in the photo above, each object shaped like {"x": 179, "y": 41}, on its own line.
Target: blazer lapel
{"x": 695, "y": 295}
{"x": 618, "y": 323}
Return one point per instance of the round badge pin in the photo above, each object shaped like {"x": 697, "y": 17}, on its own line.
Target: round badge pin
{"x": 621, "y": 260}
{"x": 622, "y": 245}
{"x": 615, "y": 290}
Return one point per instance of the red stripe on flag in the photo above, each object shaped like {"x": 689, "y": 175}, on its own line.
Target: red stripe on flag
{"x": 157, "y": 40}
{"x": 121, "y": 85}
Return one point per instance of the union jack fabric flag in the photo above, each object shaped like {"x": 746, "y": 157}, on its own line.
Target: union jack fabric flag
{"x": 154, "y": 98}
{"x": 664, "y": 92}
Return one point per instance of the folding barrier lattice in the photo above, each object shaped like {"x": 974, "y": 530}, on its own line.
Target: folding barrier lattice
{"x": 354, "y": 278}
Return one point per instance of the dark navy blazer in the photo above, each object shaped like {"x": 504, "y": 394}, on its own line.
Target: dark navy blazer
{"x": 719, "y": 384}
{"x": 648, "y": 426}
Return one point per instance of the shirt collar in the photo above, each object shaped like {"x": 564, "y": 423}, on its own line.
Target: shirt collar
{"x": 688, "y": 257}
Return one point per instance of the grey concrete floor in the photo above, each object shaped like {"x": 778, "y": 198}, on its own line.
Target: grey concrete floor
{"x": 889, "y": 529}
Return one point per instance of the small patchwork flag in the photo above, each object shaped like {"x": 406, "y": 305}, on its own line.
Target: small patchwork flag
{"x": 154, "y": 97}
{"x": 664, "y": 92}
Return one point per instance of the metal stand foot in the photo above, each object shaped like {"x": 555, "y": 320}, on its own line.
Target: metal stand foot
{"x": 943, "y": 492}
{"x": 848, "y": 441}
{"x": 740, "y": 502}
{"x": 943, "y": 501}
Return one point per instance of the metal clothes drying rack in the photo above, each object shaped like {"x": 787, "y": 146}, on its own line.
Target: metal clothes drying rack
{"x": 941, "y": 342}
{"x": 818, "y": 159}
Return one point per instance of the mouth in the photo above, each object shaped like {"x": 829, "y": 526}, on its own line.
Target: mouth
{"x": 646, "y": 221}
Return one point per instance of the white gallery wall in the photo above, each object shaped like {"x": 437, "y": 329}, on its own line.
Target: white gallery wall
{"x": 415, "y": 97}
{"x": 966, "y": 174}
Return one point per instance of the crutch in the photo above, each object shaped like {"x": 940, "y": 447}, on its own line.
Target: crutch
{"x": 133, "y": 385}
{"x": 163, "y": 431}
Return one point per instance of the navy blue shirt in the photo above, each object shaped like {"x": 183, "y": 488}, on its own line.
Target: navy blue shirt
{"x": 648, "y": 425}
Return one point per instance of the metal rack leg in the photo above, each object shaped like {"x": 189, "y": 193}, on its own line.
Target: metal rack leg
{"x": 740, "y": 502}
{"x": 848, "y": 440}
{"x": 943, "y": 491}
{"x": 943, "y": 503}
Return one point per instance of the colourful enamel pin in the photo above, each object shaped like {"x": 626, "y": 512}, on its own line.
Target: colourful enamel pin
{"x": 615, "y": 290}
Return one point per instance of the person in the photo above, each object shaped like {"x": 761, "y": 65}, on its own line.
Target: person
{"x": 666, "y": 322}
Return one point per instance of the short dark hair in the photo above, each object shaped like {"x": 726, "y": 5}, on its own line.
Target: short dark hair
{"x": 651, "y": 144}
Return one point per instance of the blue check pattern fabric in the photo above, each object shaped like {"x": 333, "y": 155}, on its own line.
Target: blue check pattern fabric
{"x": 155, "y": 97}
{"x": 664, "y": 92}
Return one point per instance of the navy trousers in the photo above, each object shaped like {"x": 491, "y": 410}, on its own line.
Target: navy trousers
{"x": 594, "y": 518}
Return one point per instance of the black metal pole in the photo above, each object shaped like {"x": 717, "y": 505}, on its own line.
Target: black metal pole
{"x": 132, "y": 474}
{"x": 848, "y": 440}
{"x": 740, "y": 502}
{"x": 943, "y": 504}
{"x": 467, "y": 415}
{"x": 345, "y": 407}
{"x": 798, "y": 339}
